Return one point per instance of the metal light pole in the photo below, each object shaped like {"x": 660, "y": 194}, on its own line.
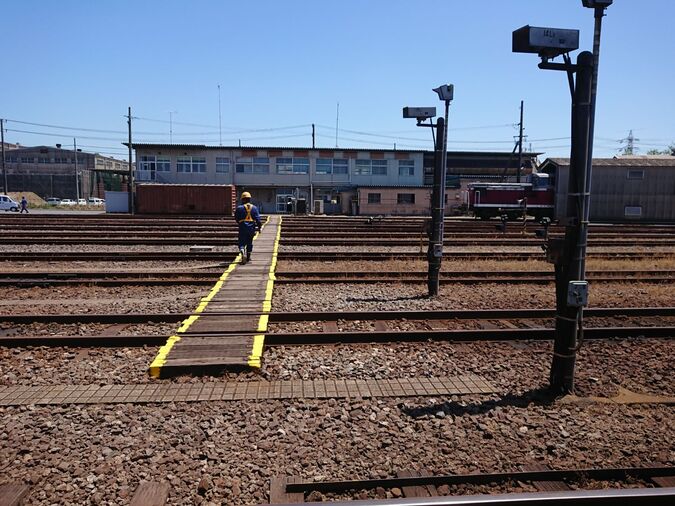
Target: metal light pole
{"x": 569, "y": 254}
{"x": 131, "y": 170}
{"x": 598, "y": 7}
{"x": 77, "y": 183}
{"x": 435, "y": 251}
{"x": 2, "y": 141}
{"x": 569, "y": 257}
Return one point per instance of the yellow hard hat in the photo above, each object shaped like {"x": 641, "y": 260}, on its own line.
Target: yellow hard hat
{"x": 246, "y": 195}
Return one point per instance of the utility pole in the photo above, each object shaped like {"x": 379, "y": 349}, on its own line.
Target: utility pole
{"x": 2, "y": 141}
{"x": 313, "y": 137}
{"x": 520, "y": 143}
{"x": 171, "y": 113}
{"x": 77, "y": 182}
{"x": 131, "y": 169}
{"x": 337, "y": 122}
{"x": 220, "y": 123}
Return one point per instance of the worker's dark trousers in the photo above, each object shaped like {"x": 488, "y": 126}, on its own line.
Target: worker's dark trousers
{"x": 246, "y": 235}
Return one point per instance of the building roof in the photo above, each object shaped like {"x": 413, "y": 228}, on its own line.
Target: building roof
{"x": 623, "y": 161}
{"x": 149, "y": 145}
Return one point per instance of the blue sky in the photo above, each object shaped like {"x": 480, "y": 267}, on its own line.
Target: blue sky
{"x": 283, "y": 65}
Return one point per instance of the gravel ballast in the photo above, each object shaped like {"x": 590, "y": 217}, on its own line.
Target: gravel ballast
{"x": 98, "y": 454}
{"x": 97, "y": 299}
{"x": 402, "y": 297}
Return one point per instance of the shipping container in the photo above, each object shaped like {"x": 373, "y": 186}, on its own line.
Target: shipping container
{"x": 185, "y": 199}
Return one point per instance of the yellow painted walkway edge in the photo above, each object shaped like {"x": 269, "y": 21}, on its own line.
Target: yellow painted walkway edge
{"x": 255, "y": 358}
{"x": 155, "y": 367}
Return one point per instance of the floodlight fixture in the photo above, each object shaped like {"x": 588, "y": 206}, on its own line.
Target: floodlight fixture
{"x": 593, "y": 4}
{"x": 546, "y": 42}
{"x": 419, "y": 113}
{"x": 445, "y": 92}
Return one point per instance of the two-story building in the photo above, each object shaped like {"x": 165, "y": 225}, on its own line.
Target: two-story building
{"x": 51, "y": 171}
{"x": 341, "y": 180}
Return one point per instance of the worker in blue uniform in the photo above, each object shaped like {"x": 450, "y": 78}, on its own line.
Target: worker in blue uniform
{"x": 248, "y": 219}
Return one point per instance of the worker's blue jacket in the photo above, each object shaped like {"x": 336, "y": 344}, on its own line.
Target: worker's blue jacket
{"x": 248, "y": 218}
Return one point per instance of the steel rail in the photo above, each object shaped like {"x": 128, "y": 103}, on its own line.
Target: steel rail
{"x": 540, "y": 334}
{"x": 619, "y": 273}
{"x": 281, "y": 280}
{"x": 609, "y": 474}
{"x": 469, "y": 281}
{"x": 292, "y": 274}
{"x": 305, "y": 256}
{"x": 117, "y": 256}
{"x": 308, "y": 316}
{"x": 322, "y": 338}
{"x": 611, "y": 497}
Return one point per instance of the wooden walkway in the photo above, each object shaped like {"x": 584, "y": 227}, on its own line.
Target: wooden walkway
{"x": 244, "y": 390}
{"x": 229, "y": 342}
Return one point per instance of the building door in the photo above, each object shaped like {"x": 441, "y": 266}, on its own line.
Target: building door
{"x": 282, "y": 198}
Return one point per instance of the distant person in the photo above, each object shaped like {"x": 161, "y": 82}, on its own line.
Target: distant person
{"x": 24, "y": 205}
{"x": 248, "y": 219}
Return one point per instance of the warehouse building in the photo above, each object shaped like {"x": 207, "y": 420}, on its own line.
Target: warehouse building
{"x": 623, "y": 189}
{"x": 332, "y": 181}
{"x": 50, "y": 172}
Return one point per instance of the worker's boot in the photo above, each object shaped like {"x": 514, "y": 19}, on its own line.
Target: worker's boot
{"x": 244, "y": 256}
{"x": 248, "y": 256}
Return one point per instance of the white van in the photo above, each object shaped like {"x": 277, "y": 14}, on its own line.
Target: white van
{"x": 7, "y": 204}
{"x": 94, "y": 201}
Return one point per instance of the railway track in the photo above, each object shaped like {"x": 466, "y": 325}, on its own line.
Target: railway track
{"x": 334, "y": 337}
{"x": 168, "y": 278}
{"x": 308, "y": 316}
{"x": 121, "y": 256}
{"x": 423, "y": 489}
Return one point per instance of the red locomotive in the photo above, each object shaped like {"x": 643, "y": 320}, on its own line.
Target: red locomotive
{"x": 534, "y": 197}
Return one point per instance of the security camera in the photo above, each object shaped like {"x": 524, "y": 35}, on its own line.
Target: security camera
{"x": 419, "y": 113}
{"x": 445, "y": 92}
{"x": 546, "y": 42}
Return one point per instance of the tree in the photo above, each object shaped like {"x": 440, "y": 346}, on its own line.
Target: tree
{"x": 670, "y": 150}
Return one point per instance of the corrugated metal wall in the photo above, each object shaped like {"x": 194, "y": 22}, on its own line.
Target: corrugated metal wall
{"x": 612, "y": 191}
{"x": 185, "y": 199}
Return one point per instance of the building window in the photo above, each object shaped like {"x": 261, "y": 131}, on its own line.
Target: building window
{"x": 292, "y": 165}
{"x": 405, "y": 198}
{"x": 332, "y": 166}
{"x": 148, "y": 163}
{"x": 371, "y": 167}
{"x": 222, "y": 165}
{"x": 362, "y": 168}
{"x": 379, "y": 167}
{"x": 27, "y": 159}
{"x": 248, "y": 165}
{"x": 261, "y": 165}
{"x": 43, "y": 159}
{"x": 634, "y": 211}
{"x": 198, "y": 164}
{"x": 191, "y": 164}
{"x": 163, "y": 164}
{"x": 184, "y": 164}
{"x": 374, "y": 198}
{"x": 635, "y": 174}
{"x": 406, "y": 168}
